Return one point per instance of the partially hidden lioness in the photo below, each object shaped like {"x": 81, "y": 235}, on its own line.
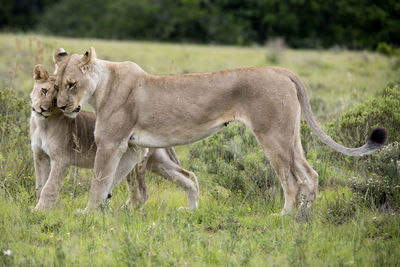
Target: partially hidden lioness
{"x": 133, "y": 106}
{"x": 59, "y": 142}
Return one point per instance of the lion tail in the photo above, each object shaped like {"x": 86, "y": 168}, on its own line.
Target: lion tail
{"x": 172, "y": 155}
{"x": 376, "y": 140}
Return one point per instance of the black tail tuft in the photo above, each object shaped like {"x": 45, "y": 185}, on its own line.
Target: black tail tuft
{"x": 378, "y": 136}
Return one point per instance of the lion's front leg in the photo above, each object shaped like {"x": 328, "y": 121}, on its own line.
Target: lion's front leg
{"x": 42, "y": 171}
{"x": 52, "y": 187}
{"x": 108, "y": 156}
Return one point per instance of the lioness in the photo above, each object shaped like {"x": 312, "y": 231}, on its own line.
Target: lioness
{"x": 133, "y": 106}
{"x": 59, "y": 142}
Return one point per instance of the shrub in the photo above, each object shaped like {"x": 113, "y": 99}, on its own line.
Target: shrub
{"x": 234, "y": 160}
{"x": 354, "y": 126}
{"x": 379, "y": 187}
{"x": 386, "y": 162}
{"x": 384, "y": 48}
{"x": 387, "y": 49}
{"x": 382, "y": 188}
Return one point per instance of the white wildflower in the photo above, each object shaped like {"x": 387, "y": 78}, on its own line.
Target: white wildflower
{"x": 7, "y": 252}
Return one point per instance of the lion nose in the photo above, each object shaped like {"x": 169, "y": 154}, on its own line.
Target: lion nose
{"x": 63, "y": 107}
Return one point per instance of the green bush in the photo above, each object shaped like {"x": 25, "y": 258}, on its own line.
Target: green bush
{"x": 382, "y": 188}
{"x": 386, "y": 162}
{"x": 379, "y": 185}
{"x": 387, "y": 49}
{"x": 16, "y": 163}
{"x": 233, "y": 159}
{"x": 356, "y": 124}
{"x": 384, "y": 48}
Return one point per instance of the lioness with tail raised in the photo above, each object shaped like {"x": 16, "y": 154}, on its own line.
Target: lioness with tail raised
{"x": 59, "y": 142}
{"x": 133, "y": 106}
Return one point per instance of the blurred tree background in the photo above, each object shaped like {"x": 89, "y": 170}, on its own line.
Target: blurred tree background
{"x": 355, "y": 24}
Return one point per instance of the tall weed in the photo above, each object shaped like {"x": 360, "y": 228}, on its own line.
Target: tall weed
{"x": 16, "y": 163}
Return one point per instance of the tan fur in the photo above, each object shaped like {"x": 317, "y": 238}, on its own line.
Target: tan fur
{"x": 59, "y": 142}
{"x": 133, "y": 106}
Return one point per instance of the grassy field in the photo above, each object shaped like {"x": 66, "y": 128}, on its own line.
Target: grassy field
{"x": 230, "y": 227}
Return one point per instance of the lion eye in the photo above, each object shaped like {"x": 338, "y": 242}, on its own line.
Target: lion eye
{"x": 44, "y": 91}
{"x": 71, "y": 85}
{"x": 56, "y": 87}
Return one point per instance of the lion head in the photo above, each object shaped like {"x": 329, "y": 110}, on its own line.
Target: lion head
{"x": 43, "y": 96}
{"x": 76, "y": 80}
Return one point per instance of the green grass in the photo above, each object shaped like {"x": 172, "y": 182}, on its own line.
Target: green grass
{"x": 222, "y": 232}
{"x": 229, "y": 228}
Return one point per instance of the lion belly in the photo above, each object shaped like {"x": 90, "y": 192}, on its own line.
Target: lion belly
{"x": 180, "y": 136}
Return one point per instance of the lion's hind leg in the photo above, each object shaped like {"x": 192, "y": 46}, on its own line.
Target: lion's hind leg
{"x": 174, "y": 157}
{"x": 162, "y": 164}
{"x": 281, "y": 161}
{"x": 283, "y": 148}
{"x": 135, "y": 194}
{"x": 299, "y": 181}
{"x": 141, "y": 177}
{"x": 307, "y": 176}
{"x": 136, "y": 180}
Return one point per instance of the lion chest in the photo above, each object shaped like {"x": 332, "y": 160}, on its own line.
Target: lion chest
{"x": 39, "y": 141}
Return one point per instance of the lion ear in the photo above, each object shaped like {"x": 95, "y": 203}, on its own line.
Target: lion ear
{"x": 88, "y": 59}
{"x": 59, "y": 55}
{"x": 40, "y": 74}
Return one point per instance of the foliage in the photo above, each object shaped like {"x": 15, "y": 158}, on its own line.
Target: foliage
{"x": 382, "y": 188}
{"x": 301, "y": 23}
{"x": 235, "y": 161}
{"x": 22, "y": 14}
{"x": 387, "y": 49}
{"x": 354, "y": 126}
